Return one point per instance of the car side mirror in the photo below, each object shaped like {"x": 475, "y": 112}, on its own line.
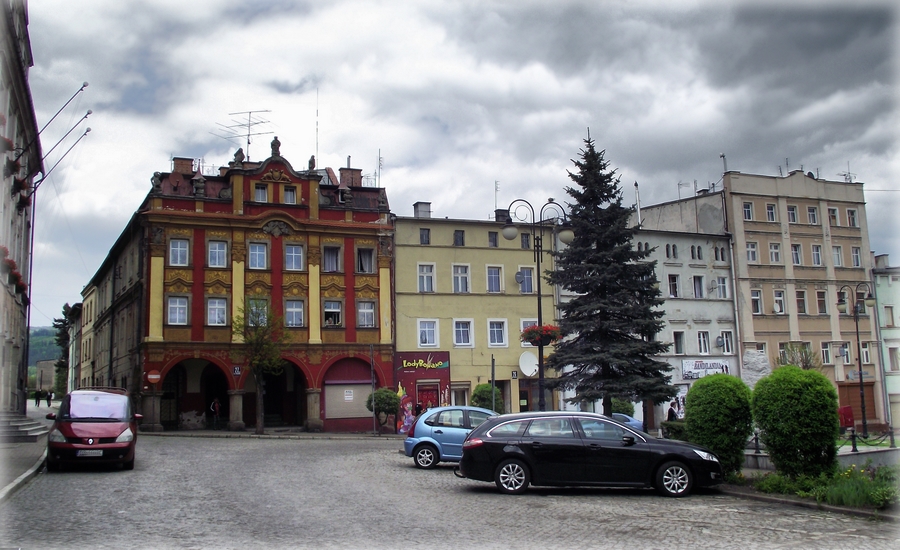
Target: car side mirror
{"x": 138, "y": 417}
{"x": 628, "y": 440}
{"x": 51, "y": 416}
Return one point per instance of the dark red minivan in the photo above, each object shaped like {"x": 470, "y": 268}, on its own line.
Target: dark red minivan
{"x": 93, "y": 426}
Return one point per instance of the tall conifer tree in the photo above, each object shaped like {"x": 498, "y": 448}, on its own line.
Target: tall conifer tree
{"x": 608, "y": 344}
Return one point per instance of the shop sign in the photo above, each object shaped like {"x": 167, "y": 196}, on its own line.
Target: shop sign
{"x": 695, "y": 369}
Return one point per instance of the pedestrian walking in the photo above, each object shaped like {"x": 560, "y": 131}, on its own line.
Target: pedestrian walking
{"x": 49, "y": 397}
{"x": 214, "y": 407}
{"x": 673, "y": 413}
{"x": 37, "y": 398}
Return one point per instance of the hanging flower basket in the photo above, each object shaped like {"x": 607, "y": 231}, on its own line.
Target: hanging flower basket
{"x": 11, "y": 167}
{"x": 23, "y": 202}
{"x": 14, "y": 277}
{"x": 8, "y": 265}
{"x": 21, "y": 287}
{"x": 18, "y": 184}
{"x": 6, "y": 145}
{"x": 541, "y": 335}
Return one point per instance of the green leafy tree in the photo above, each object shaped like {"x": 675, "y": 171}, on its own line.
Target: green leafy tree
{"x": 263, "y": 343}
{"x": 608, "y": 347}
{"x": 796, "y": 411}
{"x": 800, "y": 356}
{"x": 717, "y": 415}
{"x": 387, "y": 402}
{"x": 61, "y": 328}
{"x": 481, "y": 397}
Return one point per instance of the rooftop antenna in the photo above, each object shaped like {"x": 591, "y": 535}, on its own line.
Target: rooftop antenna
{"x": 848, "y": 175}
{"x": 680, "y": 185}
{"x": 246, "y": 128}
{"x": 317, "y": 127}
{"x": 780, "y": 173}
{"x": 496, "y": 192}
{"x": 724, "y": 162}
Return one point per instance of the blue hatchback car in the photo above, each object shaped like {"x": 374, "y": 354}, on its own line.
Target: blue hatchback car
{"x": 437, "y": 434}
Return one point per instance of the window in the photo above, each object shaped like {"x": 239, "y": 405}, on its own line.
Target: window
{"x": 424, "y": 235}
{"x": 727, "y": 342}
{"x": 751, "y": 253}
{"x": 864, "y": 352}
{"x": 833, "y": 217}
{"x": 821, "y": 302}
{"x": 331, "y": 259}
{"x": 889, "y": 316}
{"x": 526, "y": 241}
{"x": 674, "y": 250}
{"x": 779, "y": 302}
{"x": 782, "y": 351}
{"x": 703, "y": 342}
{"x": 178, "y": 310}
{"x": 461, "y": 279}
{"x": 761, "y": 347}
{"x": 693, "y": 252}
{"x": 796, "y": 254}
{"x": 365, "y": 260}
{"x": 365, "y": 314}
{"x": 721, "y": 287}
{"x": 257, "y": 256}
{"x": 293, "y": 257}
{"x": 426, "y": 277}
{"x": 492, "y": 239}
{"x": 293, "y": 313}
{"x": 861, "y": 302}
{"x": 851, "y": 218}
{"x": 894, "y": 354}
{"x": 812, "y": 213}
{"x": 748, "y": 210}
{"x": 826, "y": 353}
{"x": 770, "y": 213}
{"x": 218, "y": 251}
{"x": 792, "y": 214}
{"x": 801, "y": 302}
{"x": 290, "y": 195}
{"x": 428, "y": 333}
{"x": 837, "y": 256}
{"x": 257, "y": 312}
{"x": 215, "y": 312}
{"x": 678, "y": 337}
{"x": 459, "y": 238}
{"x": 462, "y": 333}
{"x": 774, "y": 253}
{"x": 178, "y": 252}
{"x": 668, "y": 250}
{"x": 496, "y": 333}
{"x": 698, "y": 286}
{"x": 756, "y": 305}
{"x": 493, "y": 279}
{"x": 855, "y": 257}
{"x": 845, "y": 353}
{"x": 673, "y": 286}
{"x": 699, "y": 252}
{"x": 261, "y": 193}
{"x": 332, "y": 312}
{"x": 527, "y": 277}
{"x": 817, "y": 254}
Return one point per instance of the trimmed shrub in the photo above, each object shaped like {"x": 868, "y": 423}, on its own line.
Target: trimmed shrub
{"x": 717, "y": 416}
{"x": 796, "y": 411}
{"x": 481, "y": 397}
{"x": 622, "y": 406}
{"x": 674, "y": 429}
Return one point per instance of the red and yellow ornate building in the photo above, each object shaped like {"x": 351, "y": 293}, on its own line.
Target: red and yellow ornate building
{"x": 312, "y": 248}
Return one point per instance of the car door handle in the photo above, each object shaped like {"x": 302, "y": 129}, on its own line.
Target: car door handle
{"x": 537, "y": 444}
{"x": 439, "y": 431}
{"x": 594, "y": 447}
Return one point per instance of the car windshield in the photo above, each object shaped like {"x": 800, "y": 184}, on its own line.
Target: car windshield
{"x": 95, "y": 406}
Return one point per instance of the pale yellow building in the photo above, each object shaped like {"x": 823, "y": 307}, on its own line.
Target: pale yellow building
{"x": 456, "y": 294}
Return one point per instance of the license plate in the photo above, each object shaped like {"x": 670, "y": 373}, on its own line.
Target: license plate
{"x": 92, "y": 452}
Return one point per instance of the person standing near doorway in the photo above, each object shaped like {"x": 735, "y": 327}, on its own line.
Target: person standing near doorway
{"x": 214, "y": 407}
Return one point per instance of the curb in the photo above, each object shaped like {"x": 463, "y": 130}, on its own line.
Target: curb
{"x": 19, "y": 482}
{"x": 247, "y": 435}
{"x": 813, "y": 505}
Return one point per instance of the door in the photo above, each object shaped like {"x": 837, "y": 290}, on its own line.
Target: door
{"x": 449, "y": 429}
{"x": 555, "y": 451}
{"x": 609, "y": 459}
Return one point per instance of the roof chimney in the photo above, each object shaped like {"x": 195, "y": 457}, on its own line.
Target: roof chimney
{"x": 422, "y": 210}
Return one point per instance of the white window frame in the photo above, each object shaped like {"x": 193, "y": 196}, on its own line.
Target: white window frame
{"x": 801, "y": 302}
{"x": 756, "y": 302}
{"x": 462, "y": 278}
{"x": 678, "y": 342}
{"x": 523, "y": 324}
{"x": 748, "y": 211}
{"x": 503, "y": 333}
{"x": 822, "y": 302}
{"x": 290, "y": 194}
{"x": 499, "y": 270}
{"x": 864, "y": 353}
{"x": 216, "y": 312}
{"x": 771, "y": 213}
{"x": 255, "y": 251}
{"x": 697, "y": 281}
{"x": 817, "y": 254}
{"x": 261, "y": 192}
{"x": 331, "y": 253}
{"x": 855, "y": 256}
{"x": 778, "y": 302}
{"x": 837, "y": 256}
{"x": 797, "y": 254}
{"x": 365, "y": 255}
{"x": 792, "y": 213}
{"x": 727, "y": 342}
{"x": 330, "y": 308}
{"x": 426, "y": 277}
{"x": 674, "y": 284}
{"x": 826, "y": 353}
{"x": 722, "y": 288}
{"x": 852, "y": 218}
{"x": 177, "y": 310}
{"x": 293, "y": 257}
{"x": 469, "y": 325}
{"x": 752, "y": 252}
{"x": 179, "y": 252}
{"x": 216, "y": 257}
{"x": 774, "y": 253}
{"x": 834, "y": 217}
{"x": 703, "y": 342}
{"x": 812, "y": 215}
{"x": 428, "y": 333}
{"x": 292, "y": 310}
{"x": 527, "y": 284}
{"x": 365, "y": 314}
{"x": 256, "y": 306}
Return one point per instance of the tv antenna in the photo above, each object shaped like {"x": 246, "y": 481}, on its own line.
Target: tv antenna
{"x": 848, "y": 175}
{"x": 243, "y": 129}
{"x": 680, "y": 185}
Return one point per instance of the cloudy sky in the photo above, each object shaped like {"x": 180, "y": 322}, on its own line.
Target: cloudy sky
{"x": 456, "y": 96}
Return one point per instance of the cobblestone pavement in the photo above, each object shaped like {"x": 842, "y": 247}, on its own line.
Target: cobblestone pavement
{"x": 331, "y": 493}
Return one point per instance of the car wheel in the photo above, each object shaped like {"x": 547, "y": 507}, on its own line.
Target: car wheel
{"x": 426, "y": 457}
{"x": 512, "y": 477}
{"x": 674, "y": 479}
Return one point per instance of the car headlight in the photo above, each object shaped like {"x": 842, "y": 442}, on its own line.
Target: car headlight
{"x": 706, "y": 456}
{"x": 125, "y": 436}
{"x": 56, "y": 437}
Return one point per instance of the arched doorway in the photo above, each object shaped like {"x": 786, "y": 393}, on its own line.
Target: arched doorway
{"x": 214, "y": 385}
{"x": 284, "y": 399}
{"x": 173, "y": 388}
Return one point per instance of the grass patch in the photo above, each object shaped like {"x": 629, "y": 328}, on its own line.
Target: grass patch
{"x": 866, "y": 487}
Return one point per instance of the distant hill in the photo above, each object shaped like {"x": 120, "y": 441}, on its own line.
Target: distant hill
{"x": 42, "y": 345}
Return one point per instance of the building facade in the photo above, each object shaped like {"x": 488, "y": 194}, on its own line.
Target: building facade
{"x": 313, "y": 249}
{"x": 20, "y": 154}
{"x": 463, "y": 295}
{"x": 886, "y": 280}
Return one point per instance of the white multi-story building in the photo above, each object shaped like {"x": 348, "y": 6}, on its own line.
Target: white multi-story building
{"x": 886, "y": 280}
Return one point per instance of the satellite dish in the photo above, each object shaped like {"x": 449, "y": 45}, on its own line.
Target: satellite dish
{"x": 528, "y": 363}
{"x": 519, "y": 277}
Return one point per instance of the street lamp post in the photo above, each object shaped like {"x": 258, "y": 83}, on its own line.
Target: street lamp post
{"x": 857, "y": 306}
{"x": 555, "y": 214}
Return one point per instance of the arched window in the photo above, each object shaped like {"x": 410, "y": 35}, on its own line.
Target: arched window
{"x": 699, "y": 252}
{"x": 716, "y": 250}
{"x": 640, "y": 247}
{"x": 693, "y": 252}
{"x": 674, "y": 250}
{"x": 668, "y": 251}
{"x": 647, "y": 247}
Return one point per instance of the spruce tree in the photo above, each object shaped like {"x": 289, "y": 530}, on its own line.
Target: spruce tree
{"x": 608, "y": 328}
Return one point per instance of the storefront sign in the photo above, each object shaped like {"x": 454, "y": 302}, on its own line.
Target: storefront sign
{"x": 348, "y": 395}
{"x": 695, "y": 369}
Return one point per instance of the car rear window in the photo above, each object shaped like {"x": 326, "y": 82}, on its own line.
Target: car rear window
{"x": 477, "y": 417}
{"x": 509, "y": 429}
{"x": 95, "y": 406}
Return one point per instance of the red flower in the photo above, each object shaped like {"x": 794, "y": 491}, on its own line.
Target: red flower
{"x": 536, "y": 334}
{"x": 6, "y": 145}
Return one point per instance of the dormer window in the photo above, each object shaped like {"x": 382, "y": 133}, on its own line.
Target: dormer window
{"x": 261, "y": 193}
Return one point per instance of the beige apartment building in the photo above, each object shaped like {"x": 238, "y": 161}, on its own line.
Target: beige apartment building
{"x": 459, "y": 306}
{"x": 800, "y": 244}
